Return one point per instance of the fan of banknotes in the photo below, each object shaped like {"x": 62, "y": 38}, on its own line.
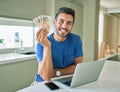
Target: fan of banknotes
{"x": 42, "y": 21}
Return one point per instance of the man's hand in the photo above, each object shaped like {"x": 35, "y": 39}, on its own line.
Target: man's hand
{"x": 41, "y": 36}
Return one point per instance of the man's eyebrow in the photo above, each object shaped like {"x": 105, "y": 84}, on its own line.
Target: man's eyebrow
{"x": 65, "y": 20}
{"x": 61, "y": 19}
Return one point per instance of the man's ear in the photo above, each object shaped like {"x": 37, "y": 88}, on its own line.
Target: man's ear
{"x": 54, "y": 21}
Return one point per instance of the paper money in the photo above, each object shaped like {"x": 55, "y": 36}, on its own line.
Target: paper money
{"x": 42, "y": 21}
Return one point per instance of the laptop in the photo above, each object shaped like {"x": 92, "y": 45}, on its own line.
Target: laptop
{"x": 84, "y": 73}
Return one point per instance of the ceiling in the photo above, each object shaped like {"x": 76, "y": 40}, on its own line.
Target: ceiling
{"x": 110, "y": 3}
{"x": 113, "y": 6}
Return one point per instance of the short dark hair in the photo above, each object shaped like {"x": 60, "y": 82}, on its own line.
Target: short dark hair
{"x": 67, "y": 11}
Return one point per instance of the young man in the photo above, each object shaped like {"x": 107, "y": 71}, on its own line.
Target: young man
{"x": 59, "y": 53}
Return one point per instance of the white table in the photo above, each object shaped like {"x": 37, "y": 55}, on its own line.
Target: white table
{"x": 97, "y": 86}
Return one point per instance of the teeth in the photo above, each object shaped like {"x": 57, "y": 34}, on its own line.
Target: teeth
{"x": 63, "y": 31}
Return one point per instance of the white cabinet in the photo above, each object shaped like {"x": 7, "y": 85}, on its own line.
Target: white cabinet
{"x": 30, "y": 69}
{"x": 18, "y": 75}
{"x": 11, "y": 77}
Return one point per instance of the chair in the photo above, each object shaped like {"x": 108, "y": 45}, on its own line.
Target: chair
{"x": 106, "y": 49}
{"x": 118, "y": 49}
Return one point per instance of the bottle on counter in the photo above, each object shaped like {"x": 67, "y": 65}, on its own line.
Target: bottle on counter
{"x": 17, "y": 38}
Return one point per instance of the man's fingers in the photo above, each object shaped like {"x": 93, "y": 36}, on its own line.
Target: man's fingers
{"x": 38, "y": 34}
{"x": 41, "y": 34}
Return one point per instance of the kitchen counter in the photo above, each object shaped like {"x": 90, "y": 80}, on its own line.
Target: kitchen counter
{"x": 14, "y": 57}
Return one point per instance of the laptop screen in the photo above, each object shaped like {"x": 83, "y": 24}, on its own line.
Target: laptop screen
{"x": 84, "y": 73}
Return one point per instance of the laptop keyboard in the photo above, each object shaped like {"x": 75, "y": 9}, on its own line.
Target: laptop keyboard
{"x": 67, "y": 82}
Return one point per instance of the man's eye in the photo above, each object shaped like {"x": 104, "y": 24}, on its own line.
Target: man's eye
{"x": 69, "y": 23}
{"x": 61, "y": 22}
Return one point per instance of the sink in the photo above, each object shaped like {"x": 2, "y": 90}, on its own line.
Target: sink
{"x": 28, "y": 53}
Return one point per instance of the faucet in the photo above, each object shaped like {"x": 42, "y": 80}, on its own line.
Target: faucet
{"x": 21, "y": 45}
{"x": 21, "y": 49}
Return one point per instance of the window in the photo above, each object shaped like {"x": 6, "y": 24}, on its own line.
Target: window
{"x": 16, "y": 33}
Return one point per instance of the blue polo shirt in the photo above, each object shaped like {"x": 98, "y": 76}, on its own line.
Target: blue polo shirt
{"x": 63, "y": 53}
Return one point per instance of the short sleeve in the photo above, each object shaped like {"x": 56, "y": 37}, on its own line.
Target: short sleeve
{"x": 39, "y": 52}
{"x": 78, "y": 48}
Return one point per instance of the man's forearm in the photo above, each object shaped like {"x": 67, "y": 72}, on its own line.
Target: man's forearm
{"x": 65, "y": 71}
{"x": 70, "y": 69}
{"x": 46, "y": 66}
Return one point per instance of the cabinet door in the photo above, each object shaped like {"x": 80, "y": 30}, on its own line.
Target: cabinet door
{"x": 16, "y": 76}
{"x": 30, "y": 69}
{"x": 11, "y": 77}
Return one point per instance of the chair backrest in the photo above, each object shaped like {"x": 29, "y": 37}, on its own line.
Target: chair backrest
{"x": 106, "y": 49}
{"x": 118, "y": 49}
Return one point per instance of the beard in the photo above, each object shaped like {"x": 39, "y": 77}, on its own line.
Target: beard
{"x": 62, "y": 34}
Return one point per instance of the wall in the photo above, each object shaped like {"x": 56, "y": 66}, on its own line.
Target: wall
{"x": 119, "y": 31}
{"x": 90, "y": 29}
{"x": 27, "y": 9}
{"x": 111, "y": 31}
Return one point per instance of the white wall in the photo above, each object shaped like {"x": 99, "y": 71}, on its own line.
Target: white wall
{"x": 27, "y": 9}
{"x": 111, "y": 31}
{"x": 90, "y": 29}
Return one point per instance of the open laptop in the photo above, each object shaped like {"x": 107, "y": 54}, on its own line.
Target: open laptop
{"x": 84, "y": 73}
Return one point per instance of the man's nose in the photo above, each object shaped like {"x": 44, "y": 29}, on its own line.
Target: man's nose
{"x": 64, "y": 25}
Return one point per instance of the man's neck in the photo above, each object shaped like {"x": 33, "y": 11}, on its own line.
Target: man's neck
{"x": 58, "y": 38}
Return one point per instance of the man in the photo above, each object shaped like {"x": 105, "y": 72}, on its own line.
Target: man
{"x": 59, "y": 53}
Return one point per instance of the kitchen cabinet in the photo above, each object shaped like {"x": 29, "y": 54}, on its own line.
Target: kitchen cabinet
{"x": 17, "y": 75}
{"x": 30, "y": 69}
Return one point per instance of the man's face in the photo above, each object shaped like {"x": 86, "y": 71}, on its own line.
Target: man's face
{"x": 63, "y": 24}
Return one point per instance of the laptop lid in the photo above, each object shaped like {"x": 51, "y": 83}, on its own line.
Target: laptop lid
{"x": 86, "y": 72}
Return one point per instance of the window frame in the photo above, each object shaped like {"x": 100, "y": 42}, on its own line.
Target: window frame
{"x": 17, "y": 22}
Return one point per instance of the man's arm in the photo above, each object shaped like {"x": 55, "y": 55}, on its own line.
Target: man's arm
{"x": 45, "y": 68}
{"x": 70, "y": 69}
